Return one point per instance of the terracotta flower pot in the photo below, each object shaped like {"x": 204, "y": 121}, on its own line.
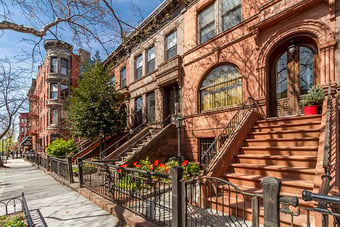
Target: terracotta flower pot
{"x": 311, "y": 110}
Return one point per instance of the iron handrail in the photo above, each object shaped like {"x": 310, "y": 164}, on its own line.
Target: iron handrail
{"x": 249, "y": 105}
{"x": 327, "y": 150}
{"x": 127, "y": 137}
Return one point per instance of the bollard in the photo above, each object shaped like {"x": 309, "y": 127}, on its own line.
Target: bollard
{"x": 271, "y": 191}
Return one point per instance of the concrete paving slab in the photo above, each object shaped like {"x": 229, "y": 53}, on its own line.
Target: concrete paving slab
{"x": 58, "y": 204}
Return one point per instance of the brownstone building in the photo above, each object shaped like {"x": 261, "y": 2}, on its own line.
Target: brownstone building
{"x": 235, "y": 71}
{"x": 23, "y": 128}
{"x": 60, "y": 71}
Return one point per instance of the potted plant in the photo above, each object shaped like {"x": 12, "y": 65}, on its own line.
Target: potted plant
{"x": 313, "y": 100}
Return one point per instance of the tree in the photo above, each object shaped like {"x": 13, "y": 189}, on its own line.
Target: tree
{"x": 95, "y": 108}
{"x": 84, "y": 22}
{"x": 60, "y": 147}
{"x": 12, "y": 94}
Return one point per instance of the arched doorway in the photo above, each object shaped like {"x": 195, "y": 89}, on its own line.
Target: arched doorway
{"x": 293, "y": 70}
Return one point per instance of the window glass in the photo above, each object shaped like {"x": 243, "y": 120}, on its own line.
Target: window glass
{"x": 206, "y": 20}
{"x": 222, "y": 87}
{"x": 138, "y": 67}
{"x": 53, "y": 65}
{"x": 139, "y": 111}
{"x": 281, "y": 77}
{"x": 231, "y": 13}
{"x": 54, "y": 116}
{"x": 150, "y": 60}
{"x": 54, "y": 91}
{"x": 150, "y": 108}
{"x": 123, "y": 77}
{"x": 306, "y": 69}
{"x": 171, "y": 45}
{"x": 64, "y": 66}
{"x": 63, "y": 91}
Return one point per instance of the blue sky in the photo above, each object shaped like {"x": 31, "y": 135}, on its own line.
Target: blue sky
{"x": 18, "y": 47}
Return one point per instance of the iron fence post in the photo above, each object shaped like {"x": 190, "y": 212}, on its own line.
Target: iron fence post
{"x": 48, "y": 163}
{"x": 177, "y": 213}
{"x": 70, "y": 172}
{"x": 271, "y": 191}
{"x": 184, "y": 204}
{"x": 80, "y": 171}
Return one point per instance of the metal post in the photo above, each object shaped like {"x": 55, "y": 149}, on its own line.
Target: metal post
{"x": 271, "y": 191}
{"x": 70, "y": 171}
{"x": 80, "y": 171}
{"x": 178, "y": 125}
{"x": 176, "y": 173}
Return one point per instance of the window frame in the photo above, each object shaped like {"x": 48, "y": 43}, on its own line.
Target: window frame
{"x": 138, "y": 70}
{"x": 168, "y": 50}
{"x": 62, "y": 67}
{"x": 52, "y": 117}
{"x": 150, "y": 62}
{"x": 216, "y": 87}
{"x": 122, "y": 76}
{"x": 53, "y": 64}
{"x": 219, "y": 16}
{"x": 54, "y": 92}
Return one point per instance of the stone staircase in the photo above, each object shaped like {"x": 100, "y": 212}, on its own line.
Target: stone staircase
{"x": 130, "y": 152}
{"x": 285, "y": 148}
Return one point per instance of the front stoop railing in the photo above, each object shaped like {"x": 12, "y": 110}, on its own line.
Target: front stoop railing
{"x": 231, "y": 128}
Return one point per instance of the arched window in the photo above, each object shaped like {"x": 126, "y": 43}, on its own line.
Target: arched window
{"x": 222, "y": 87}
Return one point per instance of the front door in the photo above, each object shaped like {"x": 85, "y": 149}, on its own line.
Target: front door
{"x": 294, "y": 75}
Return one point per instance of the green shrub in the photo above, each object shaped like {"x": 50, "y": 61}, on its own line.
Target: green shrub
{"x": 315, "y": 96}
{"x": 60, "y": 147}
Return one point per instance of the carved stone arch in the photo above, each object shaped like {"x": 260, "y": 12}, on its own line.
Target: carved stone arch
{"x": 320, "y": 31}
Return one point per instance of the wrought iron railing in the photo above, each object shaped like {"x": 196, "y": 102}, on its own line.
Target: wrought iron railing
{"x": 125, "y": 138}
{"x": 145, "y": 193}
{"x": 249, "y": 105}
{"x": 62, "y": 167}
{"x": 14, "y": 205}
{"x": 327, "y": 145}
{"x": 212, "y": 201}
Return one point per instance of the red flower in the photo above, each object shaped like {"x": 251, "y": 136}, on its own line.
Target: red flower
{"x": 135, "y": 163}
{"x": 166, "y": 169}
{"x": 156, "y": 162}
{"x": 124, "y": 165}
{"x": 184, "y": 163}
{"x": 161, "y": 165}
{"x": 151, "y": 167}
{"x": 137, "y": 166}
{"x": 120, "y": 170}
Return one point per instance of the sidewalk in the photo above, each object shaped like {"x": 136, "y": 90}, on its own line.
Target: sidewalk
{"x": 58, "y": 204}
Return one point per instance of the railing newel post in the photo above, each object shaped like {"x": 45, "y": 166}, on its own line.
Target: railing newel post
{"x": 80, "y": 171}
{"x": 271, "y": 191}
{"x": 70, "y": 169}
{"x": 177, "y": 213}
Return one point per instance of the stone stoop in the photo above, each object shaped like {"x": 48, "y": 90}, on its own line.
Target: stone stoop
{"x": 130, "y": 218}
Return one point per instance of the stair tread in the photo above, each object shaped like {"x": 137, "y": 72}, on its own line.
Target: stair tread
{"x": 285, "y": 181}
{"x": 284, "y": 139}
{"x": 274, "y": 167}
{"x": 295, "y": 157}
{"x": 281, "y": 147}
{"x": 285, "y": 131}
{"x": 280, "y": 124}
{"x": 318, "y": 116}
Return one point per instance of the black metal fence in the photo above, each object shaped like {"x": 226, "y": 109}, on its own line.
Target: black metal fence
{"x": 60, "y": 166}
{"x": 15, "y": 205}
{"x": 145, "y": 193}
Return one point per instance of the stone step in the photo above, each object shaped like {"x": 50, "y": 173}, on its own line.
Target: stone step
{"x": 280, "y": 160}
{"x": 300, "y": 173}
{"x": 295, "y": 142}
{"x": 265, "y": 126}
{"x": 281, "y": 150}
{"x": 253, "y": 183}
{"x": 284, "y": 134}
